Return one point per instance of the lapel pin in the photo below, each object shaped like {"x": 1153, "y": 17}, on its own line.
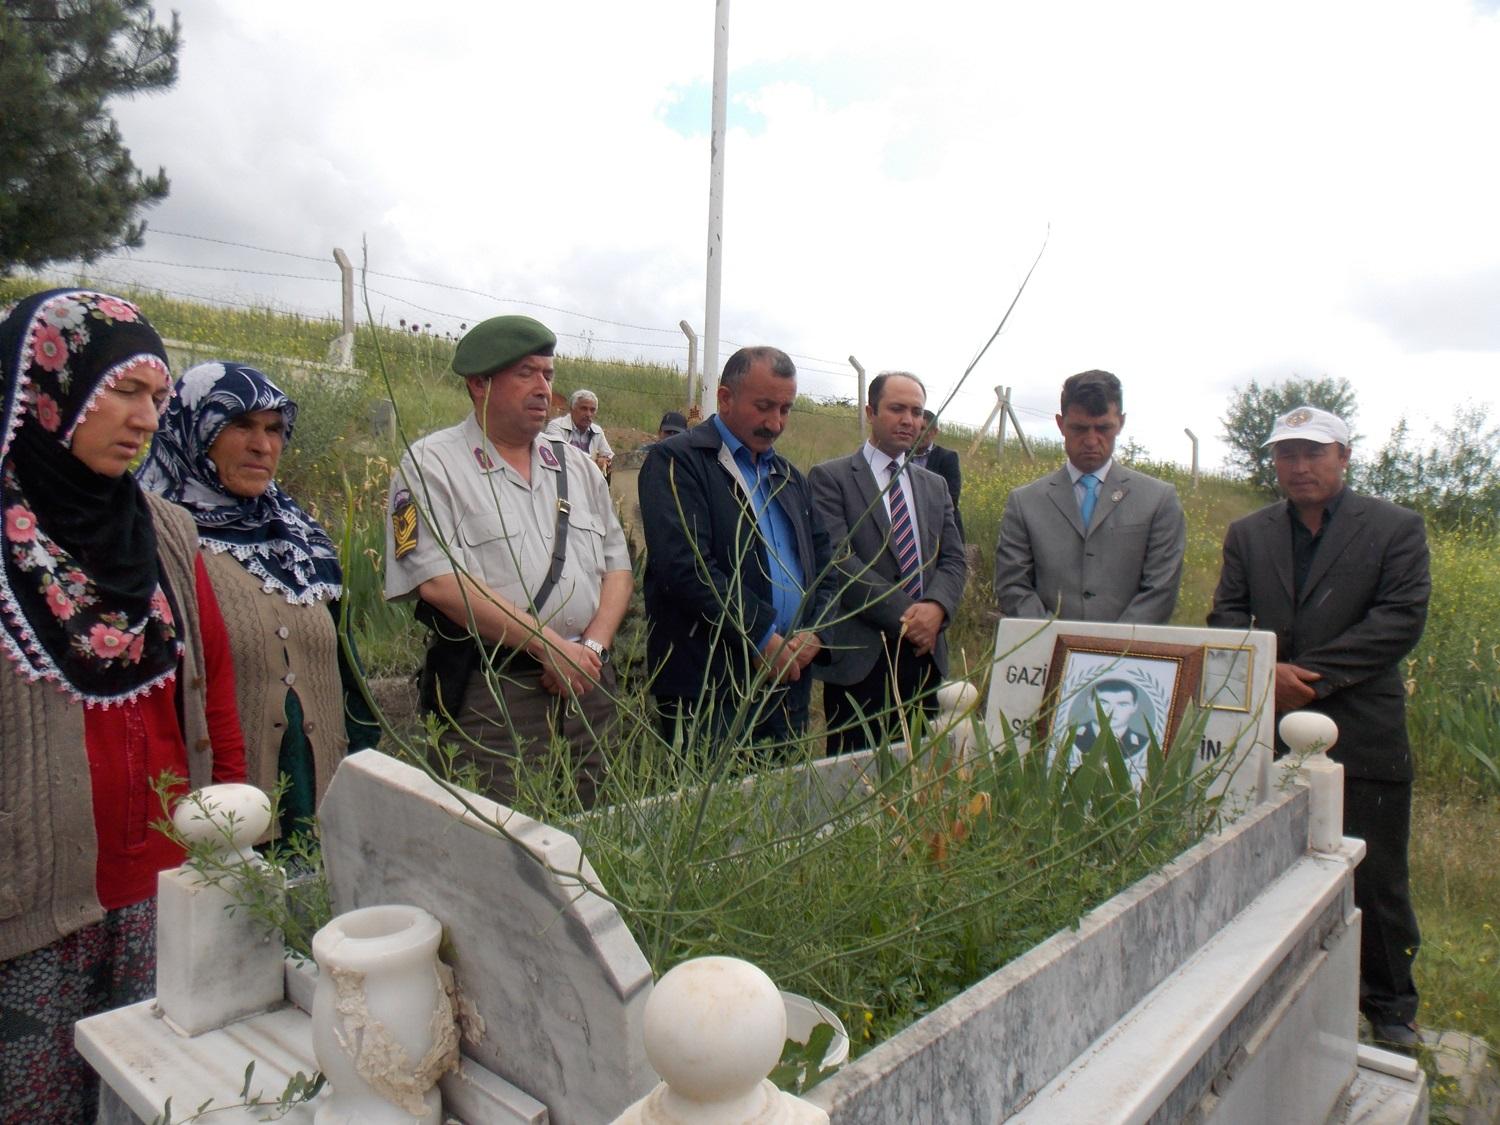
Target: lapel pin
{"x": 1118, "y": 495}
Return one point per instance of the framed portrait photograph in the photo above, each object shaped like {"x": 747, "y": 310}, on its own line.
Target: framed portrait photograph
{"x": 1227, "y": 670}
{"x": 1141, "y": 689}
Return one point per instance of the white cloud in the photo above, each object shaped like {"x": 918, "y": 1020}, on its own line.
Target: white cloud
{"x": 1231, "y": 192}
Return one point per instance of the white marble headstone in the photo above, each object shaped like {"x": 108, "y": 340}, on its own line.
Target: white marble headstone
{"x": 1236, "y": 685}
{"x": 553, "y": 987}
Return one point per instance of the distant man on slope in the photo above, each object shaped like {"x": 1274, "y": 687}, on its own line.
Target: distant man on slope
{"x": 929, "y": 455}
{"x": 579, "y": 429}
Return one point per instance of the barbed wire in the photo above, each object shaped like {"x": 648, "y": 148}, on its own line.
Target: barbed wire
{"x": 135, "y": 283}
{"x": 459, "y": 317}
{"x": 583, "y": 337}
{"x": 241, "y": 245}
{"x": 838, "y": 371}
{"x": 215, "y": 269}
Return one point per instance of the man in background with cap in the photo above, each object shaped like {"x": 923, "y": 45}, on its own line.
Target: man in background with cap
{"x": 672, "y": 424}
{"x": 734, "y": 562}
{"x": 507, "y": 535}
{"x": 1094, "y": 541}
{"x": 1342, "y": 580}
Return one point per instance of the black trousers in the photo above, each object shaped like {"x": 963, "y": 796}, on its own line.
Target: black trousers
{"x": 1379, "y": 813}
{"x": 862, "y": 715}
{"x": 781, "y": 713}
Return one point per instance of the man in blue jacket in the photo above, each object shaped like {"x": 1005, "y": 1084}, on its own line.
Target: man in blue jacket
{"x": 735, "y": 563}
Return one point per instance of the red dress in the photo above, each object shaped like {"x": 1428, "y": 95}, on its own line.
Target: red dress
{"x": 130, "y": 744}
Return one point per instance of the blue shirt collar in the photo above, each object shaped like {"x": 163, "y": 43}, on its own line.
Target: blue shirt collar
{"x": 1098, "y": 474}
{"x": 742, "y": 452}
{"x": 734, "y": 443}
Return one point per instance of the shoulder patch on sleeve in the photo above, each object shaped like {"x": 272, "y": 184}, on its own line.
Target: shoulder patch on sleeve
{"x": 404, "y": 523}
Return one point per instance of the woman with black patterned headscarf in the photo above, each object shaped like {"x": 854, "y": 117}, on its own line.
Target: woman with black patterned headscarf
{"x": 119, "y": 663}
{"x": 276, "y": 575}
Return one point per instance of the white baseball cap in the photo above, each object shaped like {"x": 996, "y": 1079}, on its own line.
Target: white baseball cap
{"x": 1308, "y": 423}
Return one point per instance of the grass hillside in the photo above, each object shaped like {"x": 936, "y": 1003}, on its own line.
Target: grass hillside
{"x": 340, "y": 462}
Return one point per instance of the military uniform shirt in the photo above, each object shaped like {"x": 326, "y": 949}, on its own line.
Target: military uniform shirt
{"x": 454, "y": 495}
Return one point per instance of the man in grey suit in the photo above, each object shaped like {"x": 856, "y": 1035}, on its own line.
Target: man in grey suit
{"x": 900, "y": 572}
{"x": 1342, "y": 580}
{"x": 1094, "y": 541}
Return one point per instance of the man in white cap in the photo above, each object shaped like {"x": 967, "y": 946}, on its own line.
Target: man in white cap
{"x": 1342, "y": 580}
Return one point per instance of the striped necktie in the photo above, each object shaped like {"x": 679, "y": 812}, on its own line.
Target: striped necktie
{"x": 1090, "y": 497}
{"x": 904, "y": 536}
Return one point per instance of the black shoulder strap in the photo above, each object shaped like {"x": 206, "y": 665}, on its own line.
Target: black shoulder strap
{"x": 560, "y": 535}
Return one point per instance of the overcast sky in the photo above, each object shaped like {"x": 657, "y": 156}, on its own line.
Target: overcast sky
{"x": 1234, "y": 192}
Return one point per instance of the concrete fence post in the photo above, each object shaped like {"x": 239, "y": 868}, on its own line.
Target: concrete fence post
{"x": 995, "y": 413}
{"x": 1010, "y": 410}
{"x": 1192, "y": 437}
{"x": 860, "y": 404}
{"x": 692, "y": 339}
{"x": 341, "y": 349}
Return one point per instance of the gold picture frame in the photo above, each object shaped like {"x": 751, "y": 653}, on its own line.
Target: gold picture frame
{"x": 1228, "y": 673}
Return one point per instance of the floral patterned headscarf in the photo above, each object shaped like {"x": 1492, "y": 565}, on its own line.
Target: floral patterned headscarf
{"x": 82, "y": 600}
{"x": 269, "y": 535}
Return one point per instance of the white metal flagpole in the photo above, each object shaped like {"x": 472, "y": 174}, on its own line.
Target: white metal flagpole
{"x": 710, "y": 382}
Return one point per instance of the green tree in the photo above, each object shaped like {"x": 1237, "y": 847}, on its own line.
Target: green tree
{"x": 1455, "y": 481}
{"x": 1253, "y": 412}
{"x": 68, "y": 188}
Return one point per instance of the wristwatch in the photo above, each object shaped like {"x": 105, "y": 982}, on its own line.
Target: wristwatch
{"x": 597, "y": 649}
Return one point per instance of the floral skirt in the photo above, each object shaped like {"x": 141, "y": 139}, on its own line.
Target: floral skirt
{"x": 43, "y": 993}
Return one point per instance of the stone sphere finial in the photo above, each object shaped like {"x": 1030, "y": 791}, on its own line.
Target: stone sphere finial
{"x": 1307, "y": 732}
{"x": 956, "y": 701}
{"x": 227, "y": 818}
{"x": 714, "y": 1027}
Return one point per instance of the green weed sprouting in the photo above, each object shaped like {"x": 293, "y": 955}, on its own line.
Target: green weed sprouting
{"x": 299, "y": 1090}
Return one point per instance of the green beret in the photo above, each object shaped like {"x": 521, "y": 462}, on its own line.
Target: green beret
{"x": 499, "y": 342}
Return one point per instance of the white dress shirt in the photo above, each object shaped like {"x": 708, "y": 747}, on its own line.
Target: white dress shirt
{"x": 880, "y": 465}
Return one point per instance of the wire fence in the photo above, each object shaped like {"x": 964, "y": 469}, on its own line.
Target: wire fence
{"x": 676, "y": 344}
{"x": 661, "y": 345}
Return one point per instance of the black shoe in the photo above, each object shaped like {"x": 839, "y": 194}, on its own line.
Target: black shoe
{"x": 1402, "y": 1037}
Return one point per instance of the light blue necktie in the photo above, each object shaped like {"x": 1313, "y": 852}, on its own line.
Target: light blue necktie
{"x": 1090, "y": 495}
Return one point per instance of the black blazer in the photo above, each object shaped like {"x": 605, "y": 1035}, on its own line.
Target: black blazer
{"x": 869, "y": 593}
{"x": 1362, "y": 609}
{"x": 708, "y": 586}
{"x": 944, "y": 462}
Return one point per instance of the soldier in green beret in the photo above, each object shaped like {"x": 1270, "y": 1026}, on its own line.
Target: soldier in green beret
{"x": 498, "y": 532}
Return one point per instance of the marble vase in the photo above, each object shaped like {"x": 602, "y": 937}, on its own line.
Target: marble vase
{"x": 383, "y": 1023}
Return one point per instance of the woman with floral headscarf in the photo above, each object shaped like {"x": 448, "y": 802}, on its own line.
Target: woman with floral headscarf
{"x": 119, "y": 672}
{"x": 276, "y": 575}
